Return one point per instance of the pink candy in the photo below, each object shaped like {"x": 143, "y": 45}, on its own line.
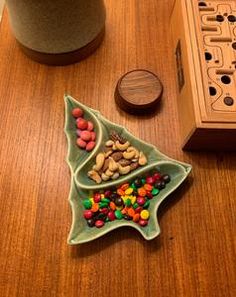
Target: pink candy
{"x": 85, "y": 131}
{"x": 82, "y": 124}
{"x": 90, "y": 146}
{"x": 93, "y": 136}
{"x": 81, "y": 143}
{"x": 85, "y": 135}
{"x": 90, "y": 126}
{"x": 78, "y": 131}
{"x": 77, "y": 112}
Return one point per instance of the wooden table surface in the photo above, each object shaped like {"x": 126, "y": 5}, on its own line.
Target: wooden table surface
{"x": 195, "y": 253}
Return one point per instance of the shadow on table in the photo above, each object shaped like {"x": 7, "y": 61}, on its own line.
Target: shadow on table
{"x": 142, "y": 115}
{"x": 128, "y": 234}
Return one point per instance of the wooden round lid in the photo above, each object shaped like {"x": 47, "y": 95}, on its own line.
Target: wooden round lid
{"x": 138, "y": 91}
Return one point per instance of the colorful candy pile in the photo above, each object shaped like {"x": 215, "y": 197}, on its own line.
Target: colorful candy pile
{"x": 130, "y": 201}
{"x": 85, "y": 131}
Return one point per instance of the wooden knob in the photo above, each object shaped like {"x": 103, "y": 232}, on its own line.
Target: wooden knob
{"x": 138, "y": 91}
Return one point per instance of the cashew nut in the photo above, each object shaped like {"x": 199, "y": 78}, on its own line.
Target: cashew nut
{"x": 100, "y": 158}
{"x": 131, "y": 148}
{"x": 124, "y": 170}
{"x": 114, "y": 147}
{"x": 109, "y": 173}
{"x": 122, "y": 147}
{"x": 142, "y": 159}
{"x": 99, "y": 171}
{"x": 109, "y": 143}
{"x": 112, "y": 165}
{"x": 95, "y": 176}
{"x": 108, "y": 153}
{"x": 105, "y": 177}
{"x": 129, "y": 155}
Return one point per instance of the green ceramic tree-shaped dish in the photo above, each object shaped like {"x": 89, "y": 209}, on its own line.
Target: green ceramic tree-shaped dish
{"x": 80, "y": 162}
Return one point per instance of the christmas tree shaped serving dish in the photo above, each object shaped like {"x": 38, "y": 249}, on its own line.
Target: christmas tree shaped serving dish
{"x": 116, "y": 179}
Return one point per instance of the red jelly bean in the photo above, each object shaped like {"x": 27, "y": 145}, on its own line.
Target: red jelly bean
{"x": 90, "y": 126}
{"x": 85, "y": 135}
{"x": 77, "y": 112}
{"x": 99, "y": 223}
{"x": 141, "y": 200}
{"x": 93, "y": 135}
{"x": 82, "y": 124}
{"x": 143, "y": 222}
{"x": 97, "y": 197}
{"x": 150, "y": 180}
{"x": 111, "y": 215}
{"x": 88, "y": 214}
{"x": 90, "y": 146}
{"x": 81, "y": 143}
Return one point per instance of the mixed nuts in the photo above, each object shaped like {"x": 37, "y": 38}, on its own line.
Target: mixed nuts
{"x": 118, "y": 158}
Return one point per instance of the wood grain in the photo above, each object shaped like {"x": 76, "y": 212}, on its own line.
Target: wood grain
{"x": 195, "y": 253}
{"x": 206, "y": 73}
{"x": 138, "y": 91}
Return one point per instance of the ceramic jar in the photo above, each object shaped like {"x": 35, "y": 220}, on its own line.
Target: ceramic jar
{"x": 57, "y": 31}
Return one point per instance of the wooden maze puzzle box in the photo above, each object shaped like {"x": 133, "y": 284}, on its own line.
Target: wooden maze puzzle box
{"x": 204, "y": 45}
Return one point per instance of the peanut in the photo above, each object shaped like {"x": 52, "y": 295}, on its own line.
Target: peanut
{"x": 100, "y": 159}
{"x": 115, "y": 175}
{"x": 112, "y": 165}
{"x": 105, "y": 177}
